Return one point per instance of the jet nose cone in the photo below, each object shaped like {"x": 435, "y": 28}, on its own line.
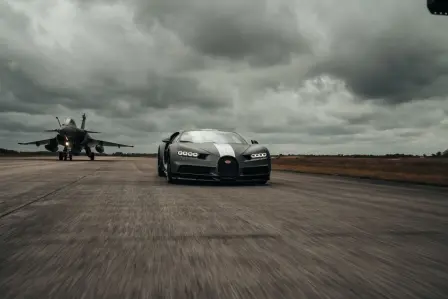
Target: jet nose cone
{"x": 64, "y": 131}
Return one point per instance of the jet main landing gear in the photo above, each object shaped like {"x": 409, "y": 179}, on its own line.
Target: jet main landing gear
{"x": 65, "y": 155}
{"x": 89, "y": 153}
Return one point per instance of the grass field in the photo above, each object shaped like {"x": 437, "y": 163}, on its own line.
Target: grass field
{"x": 418, "y": 170}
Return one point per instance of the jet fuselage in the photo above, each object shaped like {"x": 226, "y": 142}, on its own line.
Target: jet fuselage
{"x": 73, "y": 138}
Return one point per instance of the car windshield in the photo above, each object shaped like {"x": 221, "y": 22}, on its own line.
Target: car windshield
{"x": 211, "y": 136}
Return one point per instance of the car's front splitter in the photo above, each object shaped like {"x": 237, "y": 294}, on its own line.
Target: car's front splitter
{"x": 217, "y": 178}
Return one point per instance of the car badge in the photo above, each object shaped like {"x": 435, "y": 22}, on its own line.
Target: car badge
{"x": 227, "y": 161}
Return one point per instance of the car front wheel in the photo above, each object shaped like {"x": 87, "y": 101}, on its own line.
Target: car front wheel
{"x": 169, "y": 176}
{"x": 160, "y": 170}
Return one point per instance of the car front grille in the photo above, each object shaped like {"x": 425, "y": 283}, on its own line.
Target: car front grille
{"x": 228, "y": 167}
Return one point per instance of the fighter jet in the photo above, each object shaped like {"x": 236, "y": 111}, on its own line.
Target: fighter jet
{"x": 74, "y": 140}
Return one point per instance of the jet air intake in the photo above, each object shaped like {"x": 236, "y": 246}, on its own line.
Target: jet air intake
{"x": 60, "y": 139}
{"x": 52, "y": 146}
{"x": 99, "y": 149}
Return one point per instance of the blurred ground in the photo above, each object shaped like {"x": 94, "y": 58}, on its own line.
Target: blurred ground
{"x": 111, "y": 228}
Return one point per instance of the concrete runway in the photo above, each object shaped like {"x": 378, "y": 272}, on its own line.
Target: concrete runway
{"x": 111, "y": 228}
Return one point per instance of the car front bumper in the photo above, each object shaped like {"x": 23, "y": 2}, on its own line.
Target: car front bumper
{"x": 205, "y": 170}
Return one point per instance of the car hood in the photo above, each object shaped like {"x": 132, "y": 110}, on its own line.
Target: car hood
{"x": 227, "y": 149}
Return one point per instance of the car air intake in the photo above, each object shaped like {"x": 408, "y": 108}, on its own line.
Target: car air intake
{"x": 195, "y": 169}
{"x": 258, "y": 170}
{"x": 228, "y": 167}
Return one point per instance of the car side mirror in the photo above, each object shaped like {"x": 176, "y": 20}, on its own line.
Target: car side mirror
{"x": 254, "y": 141}
{"x": 166, "y": 140}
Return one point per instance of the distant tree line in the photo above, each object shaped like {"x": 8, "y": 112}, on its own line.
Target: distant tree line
{"x": 438, "y": 154}
{"x": 7, "y": 152}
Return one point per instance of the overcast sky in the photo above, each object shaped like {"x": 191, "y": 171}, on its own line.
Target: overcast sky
{"x": 301, "y": 76}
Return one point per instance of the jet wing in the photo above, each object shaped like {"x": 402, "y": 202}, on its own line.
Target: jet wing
{"x": 38, "y": 142}
{"x": 94, "y": 142}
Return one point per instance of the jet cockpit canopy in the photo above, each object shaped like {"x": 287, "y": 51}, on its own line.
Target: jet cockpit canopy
{"x": 70, "y": 122}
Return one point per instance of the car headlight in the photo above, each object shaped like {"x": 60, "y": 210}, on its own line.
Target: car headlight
{"x": 187, "y": 154}
{"x": 259, "y": 156}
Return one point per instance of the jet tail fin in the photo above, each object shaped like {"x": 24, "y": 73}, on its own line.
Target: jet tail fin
{"x": 83, "y": 124}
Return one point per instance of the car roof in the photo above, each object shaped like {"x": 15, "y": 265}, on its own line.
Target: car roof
{"x": 217, "y": 130}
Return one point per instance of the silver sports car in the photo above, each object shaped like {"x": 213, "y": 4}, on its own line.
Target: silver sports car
{"x": 212, "y": 155}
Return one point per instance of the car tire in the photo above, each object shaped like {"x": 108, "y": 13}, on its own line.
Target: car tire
{"x": 160, "y": 170}
{"x": 265, "y": 180}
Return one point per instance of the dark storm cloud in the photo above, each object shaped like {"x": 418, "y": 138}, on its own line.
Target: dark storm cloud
{"x": 411, "y": 134}
{"x": 23, "y": 92}
{"x": 181, "y": 92}
{"x": 315, "y": 130}
{"x": 400, "y": 60}
{"x": 392, "y": 70}
{"x": 362, "y": 118}
{"x": 414, "y": 116}
{"x": 26, "y": 89}
{"x": 262, "y": 33}
{"x": 302, "y": 139}
{"x": 16, "y": 126}
{"x": 140, "y": 67}
{"x": 25, "y": 123}
{"x": 33, "y": 78}
{"x": 187, "y": 118}
{"x": 246, "y": 35}
{"x": 328, "y": 130}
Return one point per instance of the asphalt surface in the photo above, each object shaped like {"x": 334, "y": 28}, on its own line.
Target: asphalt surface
{"x": 111, "y": 228}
